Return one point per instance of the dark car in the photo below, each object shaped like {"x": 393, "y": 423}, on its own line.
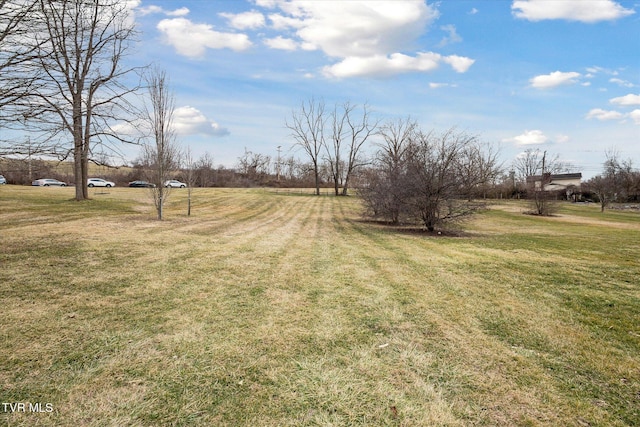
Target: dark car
{"x": 142, "y": 184}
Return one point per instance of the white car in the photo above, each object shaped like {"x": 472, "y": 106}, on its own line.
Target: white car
{"x": 46, "y": 182}
{"x": 174, "y": 184}
{"x": 97, "y": 182}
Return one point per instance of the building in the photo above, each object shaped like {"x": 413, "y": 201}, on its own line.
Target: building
{"x": 569, "y": 183}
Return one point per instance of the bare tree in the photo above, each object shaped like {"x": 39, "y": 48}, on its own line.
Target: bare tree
{"x": 254, "y": 165}
{"x": 16, "y": 81}
{"x": 528, "y": 163}
{"x": 534, "y": 168}
{"x": 389, "y": 189}
{"x": 618, "y": 181}
{"x": 435, "y": 178}
{"x": 603, "y": 188}
{"x": 162, "y": 153}
{"x": 418, "y": 176}
{"x": 334, "y": 149}
{"x": 479, "y": 166}
{"x": 360, "y": 129}
{"x": 78, "y": 47}
{"x": 307, "y": 128}
{"x": 205, "y": 170}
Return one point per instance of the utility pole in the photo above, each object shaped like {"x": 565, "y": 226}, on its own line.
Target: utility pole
{"x": 29, "y": 159}
{"x": 278, "y": 165}
{"x": 544, "y": 159}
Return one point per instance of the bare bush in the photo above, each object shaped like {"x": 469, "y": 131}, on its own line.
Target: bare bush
{"x": 424, "y": 177}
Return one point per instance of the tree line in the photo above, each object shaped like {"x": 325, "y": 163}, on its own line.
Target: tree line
{"x": 619, "y": 181}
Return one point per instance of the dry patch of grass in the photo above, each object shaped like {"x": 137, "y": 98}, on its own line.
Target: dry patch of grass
{"x": 276, "y": 309}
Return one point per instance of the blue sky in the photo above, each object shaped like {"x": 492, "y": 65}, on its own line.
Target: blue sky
{"x": 561, "y": 76}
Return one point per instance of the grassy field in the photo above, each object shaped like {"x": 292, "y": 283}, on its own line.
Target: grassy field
{"x": 266, "y": 309}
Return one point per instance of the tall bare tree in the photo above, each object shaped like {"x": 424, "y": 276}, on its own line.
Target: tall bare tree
{"x": 307, "y": 126}
{"x": 15, "y": 58}
{"x": 162, "y": 153}
{"x": 479, "y": 166}
{"x": 360, "y": 128}
{"x": 78, "y": 47}
{"x": 334, "y": 149}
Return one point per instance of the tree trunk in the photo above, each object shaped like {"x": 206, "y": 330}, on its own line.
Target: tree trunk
{"x": 189, "y": 199}
{"x": 346, "y": 185}
{"x": 77, "y": 172}
{"x": 317, "y": 178}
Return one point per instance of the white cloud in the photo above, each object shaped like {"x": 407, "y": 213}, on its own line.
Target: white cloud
{"x": 621, "y": 83}
{"x": 279, "y": 22}
{"x": 571, "y": 10}
{"x": 192, "y": 40}
{"x": 190, "y": 121}
{"x": 557, "y": 78}
{"x": 147, "y": 10}
{"x": 360, "y": 28}
{"x": 529, "y": 137}
{"x": 363, "y": 37}
{"x": 452, "y": 37}
{"x": 626, "y": 100}
{"x": 473, "y": 11}
{"x": 596, "y": 70}
{"x": 183, "y": 11}
{"x": 281, "y": 43}
{"x": 600, "y": 114}
{"x": 459, "y": 63}
{"x": 366, "y": 37}
{"x": 383, "y": 65}
{"x": 434, "y": 85}
{"x": 269, "y": 4}
{"x": 246, "y": 20}
{"x": 603, "y": 115}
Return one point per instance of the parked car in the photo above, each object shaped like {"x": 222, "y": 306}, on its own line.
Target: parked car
{"x": 47, "y": 182}
{"x": 97, "y": 182}
{"x": 3, "y": 180}
{"x": 174, "y": 184}
{"x": 143, "y": 184}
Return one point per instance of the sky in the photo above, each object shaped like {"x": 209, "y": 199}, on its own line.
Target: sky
{"x": 555, "y": 75}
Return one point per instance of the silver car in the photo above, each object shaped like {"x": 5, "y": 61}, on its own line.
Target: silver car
{"x": 97, "y": 182}
{"x": 3, "y": 180}
{"x": 46, "y": 182}
{"x": 174, "y": 184}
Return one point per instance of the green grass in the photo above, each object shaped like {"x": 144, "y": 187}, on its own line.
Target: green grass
{"x": 266, "y": 309}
